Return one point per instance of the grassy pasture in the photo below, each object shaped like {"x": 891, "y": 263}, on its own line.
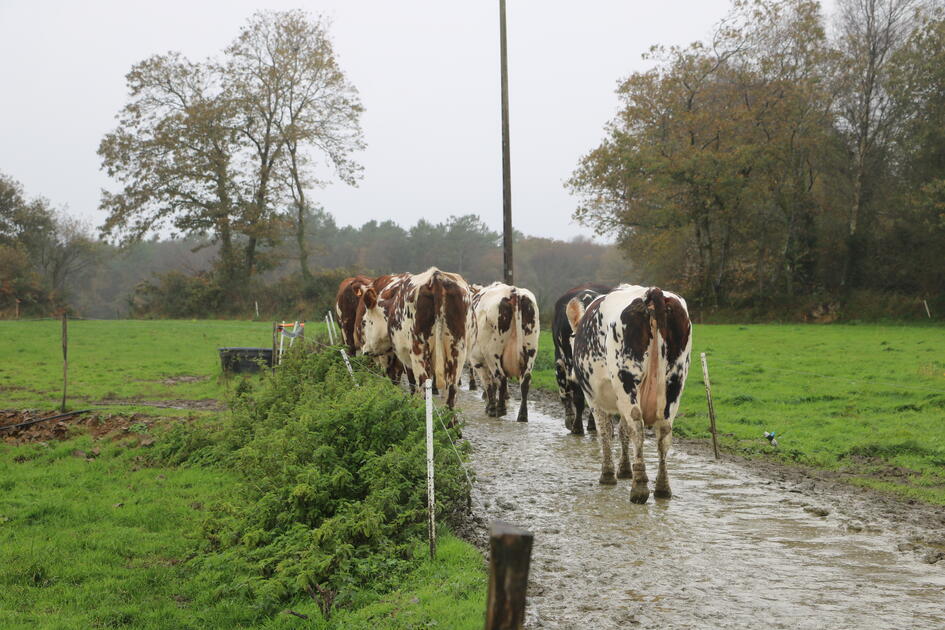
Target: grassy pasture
{"x": 128, "y": 361}
{"x": 864, "y": 400}
{"x": 101, "y": 533}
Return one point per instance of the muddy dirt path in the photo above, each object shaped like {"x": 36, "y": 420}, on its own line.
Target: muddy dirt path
{"x": 730, "y": 550}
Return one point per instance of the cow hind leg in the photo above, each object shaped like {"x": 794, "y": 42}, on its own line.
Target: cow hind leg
{"x": 489, "y": 393}
{"x": 640, "y": 489}
{"x": 624, "y": 471}
{"x": 451, "y": 397}
{"x": 607, "y": 476}
{"x": 472, "y": 379}
{"x": 568, "y": 411}
{"x": 523, "y": 409}
{"x": 664, "y": 437}
{"x": 503, "y": 396}
{"x": 577, "y": 425}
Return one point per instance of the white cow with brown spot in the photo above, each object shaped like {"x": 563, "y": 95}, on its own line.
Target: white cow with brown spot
{"x": 503, "y": 329}
{"x": 631, "y": 357}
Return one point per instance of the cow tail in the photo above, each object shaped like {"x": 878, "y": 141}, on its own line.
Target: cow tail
{"x": 437, "y": 338}
{"x": 510, "y": 353}
{"x": 656, "y": 306}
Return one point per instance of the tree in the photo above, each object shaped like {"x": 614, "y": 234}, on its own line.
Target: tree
{"x": 869, "y": 34}
{"x": 916, "y": 238}
{"x": 220, "y": 147}
{"x": 42, "y": 250}
{"x": 175, "y": 153}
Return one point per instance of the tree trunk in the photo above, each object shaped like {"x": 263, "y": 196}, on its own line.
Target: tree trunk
{"x": 299, "y": 195}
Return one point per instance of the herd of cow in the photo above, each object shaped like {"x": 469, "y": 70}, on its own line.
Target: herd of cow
{"x": 621, "y": 352}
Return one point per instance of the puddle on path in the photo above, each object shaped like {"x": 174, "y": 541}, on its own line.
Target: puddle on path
{"x": 730, "y": 550}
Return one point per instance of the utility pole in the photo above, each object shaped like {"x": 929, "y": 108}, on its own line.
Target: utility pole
{"x": 506, "y": 161}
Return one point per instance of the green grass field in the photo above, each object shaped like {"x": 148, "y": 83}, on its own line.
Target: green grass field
{"x": 865, "y": 400}
{"x": 96, "y": 534}
{"x": 128, "y": 361}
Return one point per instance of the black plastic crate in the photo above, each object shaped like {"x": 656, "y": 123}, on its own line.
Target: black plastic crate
{"x": 244, "y": 360}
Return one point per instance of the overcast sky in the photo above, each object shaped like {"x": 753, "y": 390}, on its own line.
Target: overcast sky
{"x": 427, "y": 71}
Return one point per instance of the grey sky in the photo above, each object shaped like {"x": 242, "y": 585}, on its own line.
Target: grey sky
{"x": 428, "y": 73}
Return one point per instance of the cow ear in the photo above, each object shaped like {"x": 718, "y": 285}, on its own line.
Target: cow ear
{"x": 370, "y": 298}
{"x": 575, "y": 311}
{"x": 359, "y": 291}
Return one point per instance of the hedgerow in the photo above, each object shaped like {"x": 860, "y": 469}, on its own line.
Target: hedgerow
{"x": 333, "y": 485}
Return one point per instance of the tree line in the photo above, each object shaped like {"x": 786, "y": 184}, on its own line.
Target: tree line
{"x": 50, "y": 263}
{"x": 784, "y": 156}
{"x": 787, "y": 159}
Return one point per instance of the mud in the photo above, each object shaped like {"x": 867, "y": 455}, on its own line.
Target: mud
{"x": 99, "y": 426}
{"x": 737, "y": 547}
{"x": 207, "y": 404}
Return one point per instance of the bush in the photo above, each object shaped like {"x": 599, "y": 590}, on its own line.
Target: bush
{"x": 334, "y": 485}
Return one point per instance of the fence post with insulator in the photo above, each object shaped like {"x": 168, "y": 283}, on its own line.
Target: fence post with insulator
{"x": 431, "y": 503}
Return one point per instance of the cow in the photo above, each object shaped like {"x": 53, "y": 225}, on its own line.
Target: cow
{"x": 631, "y": 356}
{"x": 561, "y": 332}
{"x": 346, "y": 306}
{"x": 421, "y": 319}
{"x": 503, "y": 339}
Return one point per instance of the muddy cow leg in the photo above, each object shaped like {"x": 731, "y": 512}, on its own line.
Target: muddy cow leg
{"x": 411, "y": 380}
{"x": 564, "y": 392}
{"x": 577, "y": 426}
{"x": 523, "y": 409}
{"x": 640, "y": 489}
{"x": 503, "y": 396}
{"x": 664, "y": 437}
{"x": 591, "y": 421}
{"x": 450, "y": 395}
{"x": 568, "y": 411}
{"x": 607, "y": 477}
{"x": 624, "y": 471}
{"x": 490, "y": 399}
{"x": 472, "y": 379}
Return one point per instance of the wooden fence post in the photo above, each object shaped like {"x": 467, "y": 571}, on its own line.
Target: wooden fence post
{"x": 510, "y": 550}
{"x": 708, "y": 398}
{"x": 65, "y": 360}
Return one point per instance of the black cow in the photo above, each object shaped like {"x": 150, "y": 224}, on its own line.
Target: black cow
{"x": 568, "y": 390}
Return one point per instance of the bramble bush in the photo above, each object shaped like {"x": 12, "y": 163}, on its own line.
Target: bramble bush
{"x": 333, "y": 489}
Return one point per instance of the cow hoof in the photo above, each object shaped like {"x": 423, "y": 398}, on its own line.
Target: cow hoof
{"x": 523, "y": 417}
{"x": 624, "y": 473}
{"x": 608, "y": 479}
{"x": 662, "y": 493}
{"x": 592, "y": 427}
{"x": 639, "y": 495}
{"x": 577, "y": 430}
{"x": 567, "y": 424}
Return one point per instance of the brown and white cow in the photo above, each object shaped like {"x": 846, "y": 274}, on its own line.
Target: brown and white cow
{"x": 421, "y": 319}
{"x": 346, "y": 307}
{"x": 631, "y": 357}
{"x": 503, "y": 338}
